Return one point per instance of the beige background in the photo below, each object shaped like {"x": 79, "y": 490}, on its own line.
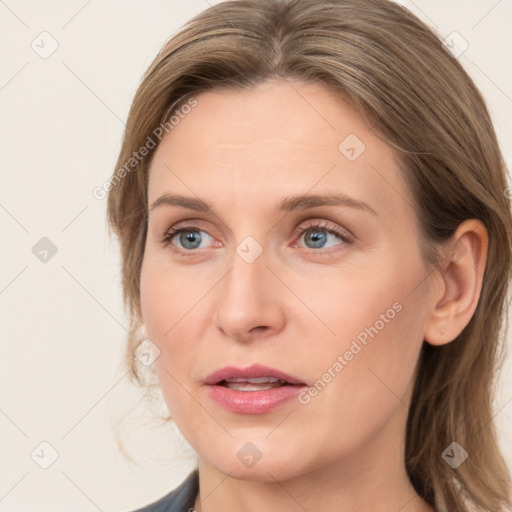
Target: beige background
{"x": 62, "y": 322}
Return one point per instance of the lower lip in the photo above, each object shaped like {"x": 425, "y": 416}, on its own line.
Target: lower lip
{"x": 253, "y": 402}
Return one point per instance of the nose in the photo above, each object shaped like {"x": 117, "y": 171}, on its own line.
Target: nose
{"x": 250, "y": 301}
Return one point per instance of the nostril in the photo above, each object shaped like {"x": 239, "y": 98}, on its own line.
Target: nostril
{"x": 260, "y": 327}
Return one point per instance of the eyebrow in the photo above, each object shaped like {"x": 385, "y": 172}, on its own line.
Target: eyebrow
{"x": 288, "y": 204}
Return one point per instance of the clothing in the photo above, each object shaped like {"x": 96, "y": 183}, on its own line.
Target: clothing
{"x": 182, "y": 499}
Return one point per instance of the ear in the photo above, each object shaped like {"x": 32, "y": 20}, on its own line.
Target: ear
{"x": 455, "y": 297}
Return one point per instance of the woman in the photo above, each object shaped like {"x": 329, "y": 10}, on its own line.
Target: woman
{"x": 316, "y": 237}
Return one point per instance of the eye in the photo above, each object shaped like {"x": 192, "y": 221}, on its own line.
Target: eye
{"x": 317, "y": 233}
{"x": 190, "y": 237}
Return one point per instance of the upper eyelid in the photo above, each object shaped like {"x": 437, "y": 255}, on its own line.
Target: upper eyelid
{"x": 313, "y": 211}
{"x": 199, "y": 224}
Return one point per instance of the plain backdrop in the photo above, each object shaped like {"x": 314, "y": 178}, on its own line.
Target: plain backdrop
{"x": 69, "y": 70}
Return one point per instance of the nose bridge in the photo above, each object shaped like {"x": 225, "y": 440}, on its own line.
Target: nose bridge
{"x": 249, "y": 295}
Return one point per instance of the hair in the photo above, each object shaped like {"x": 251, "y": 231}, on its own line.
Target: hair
{"x": 392, "y": 68}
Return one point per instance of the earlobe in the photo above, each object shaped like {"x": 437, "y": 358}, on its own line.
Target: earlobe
{"x": 454, "y": 301}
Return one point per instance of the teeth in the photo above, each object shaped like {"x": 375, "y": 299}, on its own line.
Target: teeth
{"x": 262, "y": 380}
{"x": 247, "y": 385}
{"x": 253, "y": 383}
{"x": 256, "y": 380}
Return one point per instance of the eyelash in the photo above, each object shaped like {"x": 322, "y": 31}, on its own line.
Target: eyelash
{"x": 313, "y": 226}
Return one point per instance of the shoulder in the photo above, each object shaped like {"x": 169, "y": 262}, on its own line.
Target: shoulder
{"x": 181, "y": 499}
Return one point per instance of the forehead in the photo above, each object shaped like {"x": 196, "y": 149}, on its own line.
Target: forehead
{"x": 275, "y": 139}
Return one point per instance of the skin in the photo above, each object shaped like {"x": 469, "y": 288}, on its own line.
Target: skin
{"x": 298, "y": 306}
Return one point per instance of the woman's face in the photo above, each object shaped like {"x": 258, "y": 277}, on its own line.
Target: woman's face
{"x": 321, "y": 303}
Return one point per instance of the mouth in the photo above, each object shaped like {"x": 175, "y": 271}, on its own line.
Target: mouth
{"x": 255, "y": 384}
{"x": 253, "y": 390}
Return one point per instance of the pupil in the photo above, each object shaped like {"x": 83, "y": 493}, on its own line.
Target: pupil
{"x": 189, "y": 237}
{"x": 314, "y": 238}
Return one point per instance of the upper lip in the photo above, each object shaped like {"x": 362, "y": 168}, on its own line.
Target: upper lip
{"x": 251, "y": 372}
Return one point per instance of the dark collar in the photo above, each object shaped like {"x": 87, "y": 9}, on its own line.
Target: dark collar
{"x": 182, "y": 499}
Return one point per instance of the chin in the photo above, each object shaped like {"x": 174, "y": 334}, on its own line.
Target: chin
{"x": 260, "y": 461}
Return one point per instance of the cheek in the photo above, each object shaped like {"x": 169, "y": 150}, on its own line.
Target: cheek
{"x": 363, "y": 376}
{"x": 154, "y": 298}
{"x": 173, "y": 311}
{"x": 167, "y": 298}
{"x": 376, "y": 321}
{"x": 162, "y": 307}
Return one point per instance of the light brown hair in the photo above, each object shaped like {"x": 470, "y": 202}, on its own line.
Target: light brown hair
{"x": 389, "y": 65}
